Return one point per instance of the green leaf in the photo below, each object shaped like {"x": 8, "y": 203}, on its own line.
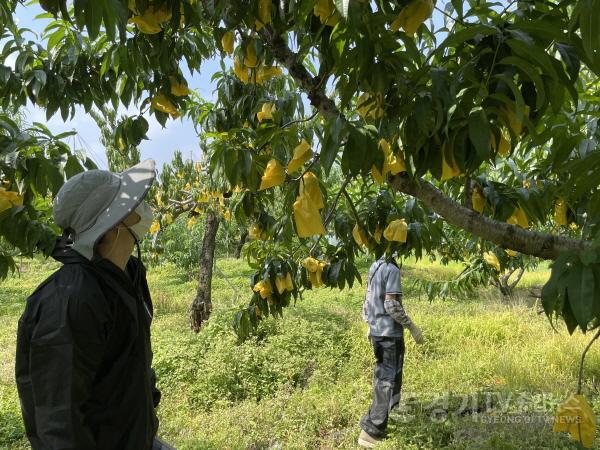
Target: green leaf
{"x": 518, "y": 97}
{"x": 580, "y": 287}
{"x": 549, "y": 28}
{"x": 40, "y": 75}
{"x": 458, "y": 37}
{"x": 6, "y": 263}
{"x": 479, "y": 133}
{"x": 532, "y": 73}
{"x": 350, "y": 269}
{"x": 93, "y": 17}
{"x": 241, "y": 324}
{"x": 569, "y": 56}
{"x": 140, "y": 128}
{"x": 331, "y": 143}
{"x": 359, "y": 152}
{"x": 556, "y": 94}
{"x": 534, "y": 54}
{"x": 65, "y": 134}
{"x": 458, "y": 7}
{"x": 589, "y": 26}
{"x": 333, "y": 273}
{"x": 568, "y": 316}
{"x": 55, "y": 38}
{"x": 423, "y": 115}
{"x": 89, "y": 164}
{"x": 72, "y": 166}
{"x": 553, "y": 291}
{"x": 589, "y": 256}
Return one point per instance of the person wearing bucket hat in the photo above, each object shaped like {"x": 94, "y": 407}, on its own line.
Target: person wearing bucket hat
{"x": 83, "y": 357}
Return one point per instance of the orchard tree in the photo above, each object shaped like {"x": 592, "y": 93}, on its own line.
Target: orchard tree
{"x": 184, "y": 188}
{"x": 349, "y": 126}
{"x": 33, "y": 166}
{"x": 485, "y": 123}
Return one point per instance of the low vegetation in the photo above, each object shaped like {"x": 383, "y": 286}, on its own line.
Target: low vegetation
{"x": 489, "y": 376}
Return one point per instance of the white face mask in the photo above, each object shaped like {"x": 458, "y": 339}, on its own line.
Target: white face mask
{"x": 142, "y": 227}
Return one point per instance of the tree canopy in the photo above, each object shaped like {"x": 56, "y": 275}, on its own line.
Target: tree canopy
{"x": 339, "y": 127}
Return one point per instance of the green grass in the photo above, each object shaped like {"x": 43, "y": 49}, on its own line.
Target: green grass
{"x": 304, "y": 381}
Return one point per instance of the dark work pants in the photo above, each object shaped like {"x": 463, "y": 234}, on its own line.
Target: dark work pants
{"x": 387, "y": 381}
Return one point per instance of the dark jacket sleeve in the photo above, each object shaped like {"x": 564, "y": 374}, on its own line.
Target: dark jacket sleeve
{"x": 67, "y": 346}
{"x": 144, "y": 291}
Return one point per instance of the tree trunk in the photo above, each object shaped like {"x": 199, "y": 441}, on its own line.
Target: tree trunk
{"x": 238, "y": 249}
{"x": 202, "y": 305}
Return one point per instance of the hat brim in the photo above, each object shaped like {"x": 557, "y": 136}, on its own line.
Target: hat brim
{"x": 135, "y": 184}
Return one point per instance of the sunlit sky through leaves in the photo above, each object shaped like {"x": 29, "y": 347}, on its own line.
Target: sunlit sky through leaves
{"x": 177, "y": 135}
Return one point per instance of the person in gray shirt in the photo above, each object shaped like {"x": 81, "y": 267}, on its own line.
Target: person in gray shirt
{"x": 383, "y": 311}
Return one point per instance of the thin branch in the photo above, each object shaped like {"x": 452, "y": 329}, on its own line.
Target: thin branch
{"x": 311, "y": 117}
{"x": 514, "y": 283}
{"x": 468, "y": 193}
{"x": 450, "y": 17}
{"x": 285, "y": 125}
{"x": 309, "y": 84}
{"x": 507, "y": 7}
{"x": 330, "y": 212}
{"x": 353, "y": 208}
{"x": 580, "y": 376}
{"x": 337, "y": 198}
{"x": 504, "y": 278}
{"x": 487, "y": 81}
{"x": 187, "y": 201}
{"x": 312, "y": 163}
{"x": 180, "y": 207}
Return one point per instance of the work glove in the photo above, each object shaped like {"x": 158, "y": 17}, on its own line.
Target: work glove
{"x": 416, "y": 334}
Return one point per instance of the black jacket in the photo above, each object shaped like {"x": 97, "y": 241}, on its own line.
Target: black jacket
{"x": 83, "y": 362}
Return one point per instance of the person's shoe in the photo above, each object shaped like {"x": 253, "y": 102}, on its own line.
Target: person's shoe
{"x": 366, "y": 440}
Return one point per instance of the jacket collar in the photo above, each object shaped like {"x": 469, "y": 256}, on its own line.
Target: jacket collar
{"x": 110, "y": 273}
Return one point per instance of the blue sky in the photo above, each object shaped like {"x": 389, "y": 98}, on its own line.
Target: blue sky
{"x": 177, "y": 135}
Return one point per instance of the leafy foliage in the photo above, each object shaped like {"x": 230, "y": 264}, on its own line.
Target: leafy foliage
{"x": 501, "y": 99}
{"x": 33, "y": 165}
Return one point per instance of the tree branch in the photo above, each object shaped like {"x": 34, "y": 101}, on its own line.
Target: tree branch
{"x": 516, "y": 280}
{"x": 293, "y": 122}
{"x": 353, "y": 208}
{"x": 467, "y": 202}
{"x": 580, "y": 375}
{"x": 309, "y": 84}
{"x": 330, "y": 212}
{"x": 542, "y": 245}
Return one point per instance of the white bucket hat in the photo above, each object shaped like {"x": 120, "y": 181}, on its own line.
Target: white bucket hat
{"x": 92, "y": 203}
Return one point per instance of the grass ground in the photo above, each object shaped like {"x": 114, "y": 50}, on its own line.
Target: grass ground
{"x": 488, "y": 377}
